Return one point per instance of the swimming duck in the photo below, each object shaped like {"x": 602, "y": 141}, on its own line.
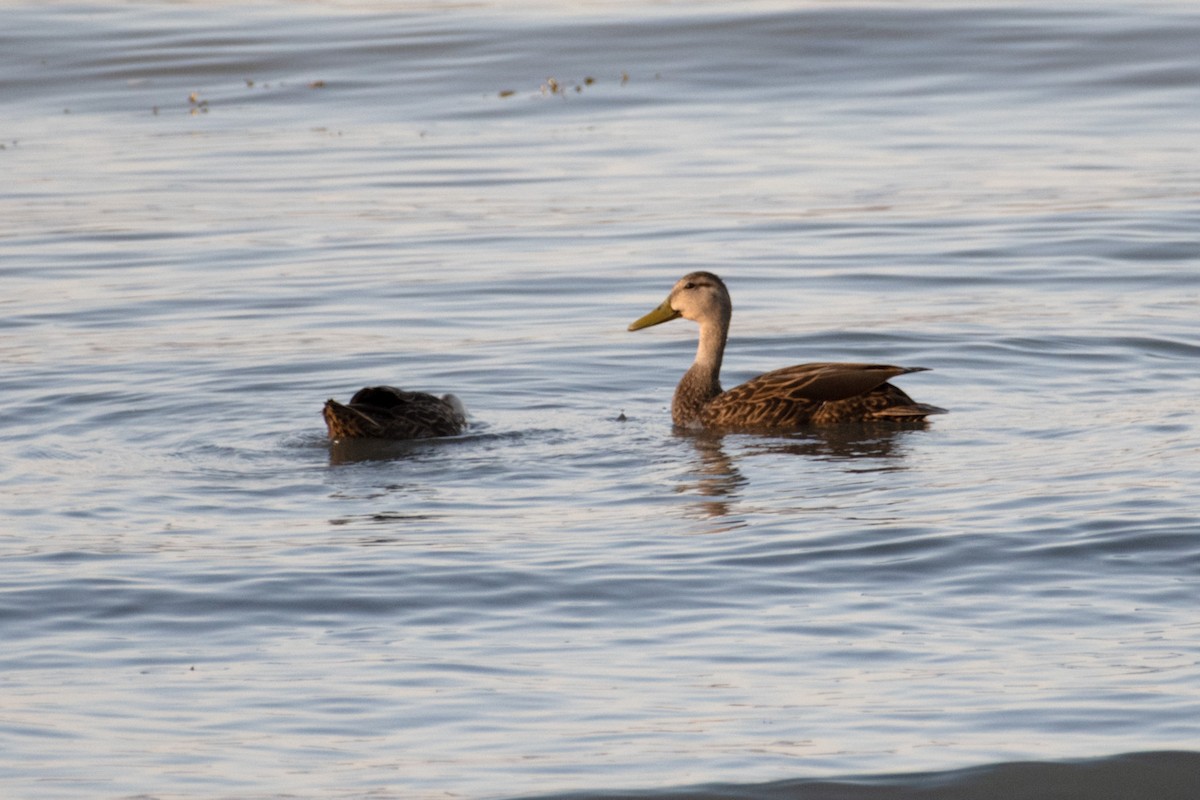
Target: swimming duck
{"x": 783, "y": 399}
{"x": 385, "y": 412}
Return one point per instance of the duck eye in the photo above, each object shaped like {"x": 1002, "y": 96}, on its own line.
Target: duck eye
{"x": 689, "y": 285}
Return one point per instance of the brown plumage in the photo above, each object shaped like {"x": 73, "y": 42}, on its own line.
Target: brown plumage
{"x": 783, "y": 399}
{"x": 384, "y": 412}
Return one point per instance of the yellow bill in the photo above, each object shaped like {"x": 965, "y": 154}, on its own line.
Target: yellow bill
{"x": 664, "y": 313}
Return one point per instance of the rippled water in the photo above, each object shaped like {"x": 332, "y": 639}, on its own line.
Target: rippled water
{"x": 215, "y": 216}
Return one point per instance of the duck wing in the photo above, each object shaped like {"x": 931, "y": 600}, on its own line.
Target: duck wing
{"x": 795, "y": 396}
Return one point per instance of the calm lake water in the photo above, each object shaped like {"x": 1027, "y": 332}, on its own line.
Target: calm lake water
{"x": 214, "y": 216}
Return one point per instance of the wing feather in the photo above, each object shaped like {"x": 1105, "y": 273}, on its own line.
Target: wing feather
{"x": 820, "y": 392}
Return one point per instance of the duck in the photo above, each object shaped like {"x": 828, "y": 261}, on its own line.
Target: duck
{"x": 781, "y": 400}
{"x": 385, "y": 412}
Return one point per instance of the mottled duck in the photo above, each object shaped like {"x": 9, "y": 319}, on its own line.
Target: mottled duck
{"x": 384, "y": 412}
{"x": 784, "y": 399}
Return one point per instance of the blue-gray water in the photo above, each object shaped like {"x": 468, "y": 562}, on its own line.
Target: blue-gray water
{"x": 213, "y": 216}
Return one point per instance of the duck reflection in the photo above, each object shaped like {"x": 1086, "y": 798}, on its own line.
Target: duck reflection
{"x": 716, "y": 477}
{"x": 719, "y": 484}
{"x": 351, "y": 451}
{"x": 853, "y": 442}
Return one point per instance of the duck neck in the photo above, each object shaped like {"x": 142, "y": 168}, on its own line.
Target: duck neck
{"x": 702, "y": 382}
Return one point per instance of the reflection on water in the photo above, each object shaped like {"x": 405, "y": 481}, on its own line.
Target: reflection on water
{"x": 717, "y": 481}
{"x": 383, "y": 518}
{"x": 1001, "y": 194}
{"x": 716, "y": 478}
{"x": 847, "y": 442}
{"x": 353, "y": 451}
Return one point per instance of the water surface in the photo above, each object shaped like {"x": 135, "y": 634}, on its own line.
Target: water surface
{"x": 215, "y": 216}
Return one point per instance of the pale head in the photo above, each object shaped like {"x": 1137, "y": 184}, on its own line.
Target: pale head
{"x": 698, "y": 296}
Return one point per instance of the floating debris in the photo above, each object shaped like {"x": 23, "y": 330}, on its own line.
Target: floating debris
{"x": 553, "y": 87}
{"x": 316, "y": 85}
